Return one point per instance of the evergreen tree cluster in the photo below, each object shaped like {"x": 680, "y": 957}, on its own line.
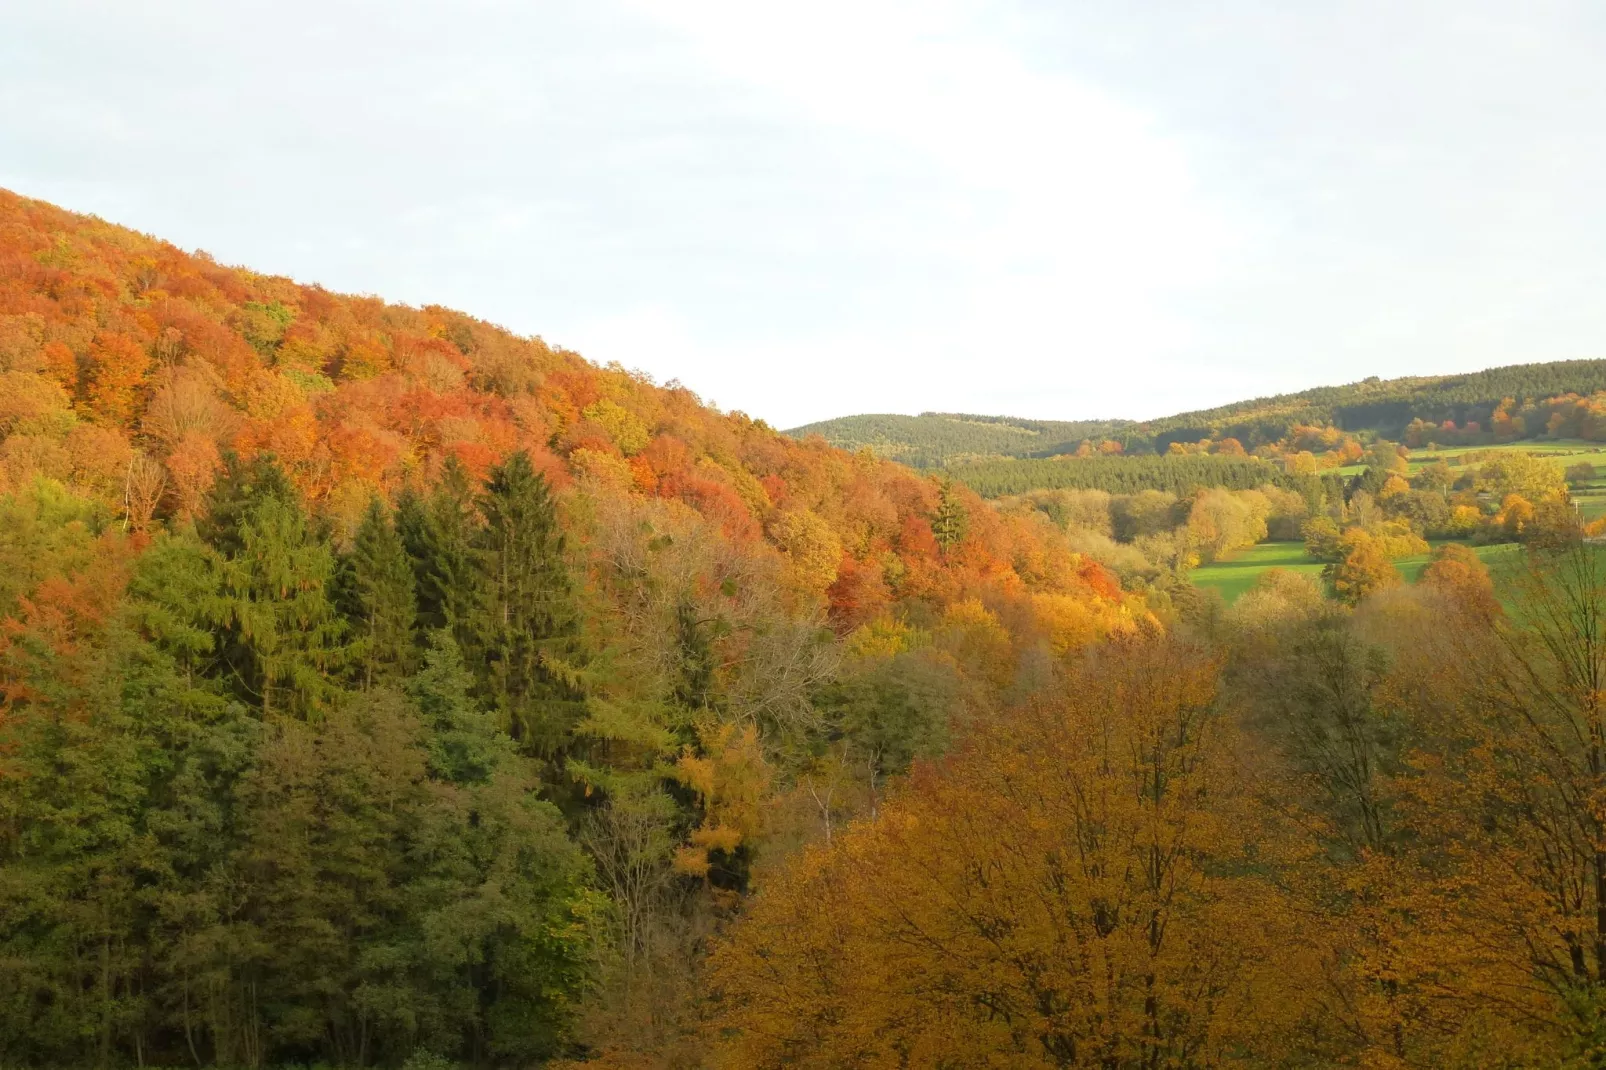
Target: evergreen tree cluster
{"x": 265, "y": 802}
{"x": 1179, "y": 475}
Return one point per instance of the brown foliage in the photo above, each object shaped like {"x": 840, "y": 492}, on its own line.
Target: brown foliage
{"x": 1070, "y": 890}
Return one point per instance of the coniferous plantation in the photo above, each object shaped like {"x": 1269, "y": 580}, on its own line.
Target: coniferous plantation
{"x": 1118, "y": 474}
{"x": 382, "y": 689}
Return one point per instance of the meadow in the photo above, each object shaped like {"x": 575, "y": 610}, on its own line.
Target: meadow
{"x": 1565, "y": 450}
{"x": 1590, "y": 496}
{"x": 1235, "y": 575}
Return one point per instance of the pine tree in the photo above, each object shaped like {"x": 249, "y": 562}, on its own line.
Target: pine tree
{"x": 694, "y": 683}
{"x": 465, "y": 746}
{"x": 526, "y": 632}
{"x": 96, "y": 782}
{"x": 376, "y": 595}
{"x": 951, "y": 521}
{"x": 240, "y": 488}
{"x": 280, "y": 638}
{"x": 438, "y": 533}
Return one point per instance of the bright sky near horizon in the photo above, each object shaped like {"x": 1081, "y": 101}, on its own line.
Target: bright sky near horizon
{"x": 1062, "y": 209}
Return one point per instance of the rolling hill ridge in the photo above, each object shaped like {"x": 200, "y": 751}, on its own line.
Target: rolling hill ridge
{"x": 1385, "y": 407}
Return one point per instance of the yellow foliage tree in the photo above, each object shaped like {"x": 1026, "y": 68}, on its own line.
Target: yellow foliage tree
{"x": 730, "y": 778}
{"x": 1516, "y": 513}
{"x": 1392, "y": 486}
{"x": 1087, "y": 884}
{"x": 1362, "y": 569}
{"x": 1505, "y": 808}
{"x": 624, "y": 427}
{"x": 813, "y": 550}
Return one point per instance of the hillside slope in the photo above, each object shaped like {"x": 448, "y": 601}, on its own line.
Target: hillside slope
{"x": 1384, "y": 406}
{"x": 939, "y": 439}
{"x": 377, "y": 685}
{"x": 114, "y": 344}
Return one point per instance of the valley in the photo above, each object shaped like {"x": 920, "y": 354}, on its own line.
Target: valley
{"x": 382, "y": 688}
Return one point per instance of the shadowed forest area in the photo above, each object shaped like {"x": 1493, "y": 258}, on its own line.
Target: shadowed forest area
{"x": 380, "y": 688}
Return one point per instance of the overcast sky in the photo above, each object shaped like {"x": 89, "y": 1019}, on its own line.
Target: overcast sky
{"x": 1069, "y": 209}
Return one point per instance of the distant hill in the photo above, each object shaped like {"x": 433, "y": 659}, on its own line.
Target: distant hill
{"x": 1383, "y": 406}
{"x": 941, "y": 439}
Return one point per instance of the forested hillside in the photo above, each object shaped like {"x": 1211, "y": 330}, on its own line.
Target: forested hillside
{"x": 938, "y": 439}
{"x": 1385, "y": 407}
{"x": 381, "y": 689}
{"x": 378, "y": 685}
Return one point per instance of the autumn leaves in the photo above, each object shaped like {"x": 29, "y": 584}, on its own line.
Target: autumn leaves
{"x": 1350, "y": 837}
{"x": 1087, "y": 882}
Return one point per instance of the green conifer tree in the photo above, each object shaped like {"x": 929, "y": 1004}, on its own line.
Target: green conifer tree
{"x": 951, "y": 521}
{"x": 526, "y": 632}
{"x": 465, "y": 745}
{"x": 239, "y": 489}
{"x": 279, "y": 638}
{"x": 377, "y": 597}
{"x": 438, "y": 532}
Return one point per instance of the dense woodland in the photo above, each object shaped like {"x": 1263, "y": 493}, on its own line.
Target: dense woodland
{"x": 941, "y": 439}
{"x": 378, "y": 688}
{"x": 377, "y": 683}
{"x": 1561, "y": 399}
{"x": 1118, "y": 474}
{"x": 1387, "y": 406}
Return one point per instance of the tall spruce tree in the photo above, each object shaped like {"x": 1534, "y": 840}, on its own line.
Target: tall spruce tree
{"x": 279, "y": 637}
{"x": 375, "y": 592}
{"x": 239, "y": 489}
{"x": 97, "y": 749}
{"x": 950, "y": 523}
{"x": 438, "y": 532}
{"x": 526, "y": 633}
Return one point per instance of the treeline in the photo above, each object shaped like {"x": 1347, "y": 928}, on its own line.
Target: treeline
{"x": 1386, "y": 407}
{"x": 1117, "y": 475}
{"x": 939, "y": 439}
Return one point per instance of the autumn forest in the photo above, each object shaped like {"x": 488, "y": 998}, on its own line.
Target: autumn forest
{"x": 379, "y": 688}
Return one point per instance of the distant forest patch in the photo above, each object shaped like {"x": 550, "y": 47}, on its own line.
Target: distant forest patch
{"x": 1386, "y": 407}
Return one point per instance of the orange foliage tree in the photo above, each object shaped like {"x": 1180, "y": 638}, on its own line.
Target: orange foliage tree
{"x": 1074, "y": 889}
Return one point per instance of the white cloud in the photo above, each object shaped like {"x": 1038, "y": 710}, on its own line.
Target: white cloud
{"x": 1063, "y": 220}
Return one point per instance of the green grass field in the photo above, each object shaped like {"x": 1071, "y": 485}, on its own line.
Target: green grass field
{"x": 1591, "y": 497}
{"x": 1233, "y": 577}
{"x": 1565, "y": 450}
{"x": 1559, "y": 448}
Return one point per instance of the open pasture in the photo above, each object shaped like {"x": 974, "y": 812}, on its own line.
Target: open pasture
{"x": 1234, "y": 576}
{"x": 1591, "y": 497}
{"x": 1564, "y": 450}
